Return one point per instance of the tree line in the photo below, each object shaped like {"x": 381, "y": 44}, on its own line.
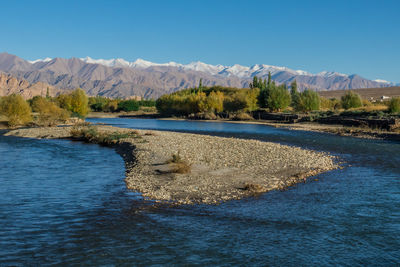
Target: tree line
{"x": 48, "y": 111}
{"x": 262, "y": 93}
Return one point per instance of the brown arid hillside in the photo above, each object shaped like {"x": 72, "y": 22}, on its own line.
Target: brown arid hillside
{"x": 11, "y": 85}
{"x": 153, "y": 80}
{"x": 366, "y": 93}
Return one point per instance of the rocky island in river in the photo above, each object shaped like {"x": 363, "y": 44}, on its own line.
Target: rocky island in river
{"x": 188, "y": 168}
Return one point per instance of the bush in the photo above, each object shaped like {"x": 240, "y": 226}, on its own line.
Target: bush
{"x": 179, "y": 165}
{"x": 351, "y": 100}
{"x": 394, "y": 105}
{"x": 16, "y": 109}
{"x": 278, "y": 98}
{"x": 308, "y": 101}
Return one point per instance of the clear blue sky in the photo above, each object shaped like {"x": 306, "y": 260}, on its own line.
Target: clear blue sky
{"x": 350, "y": 36}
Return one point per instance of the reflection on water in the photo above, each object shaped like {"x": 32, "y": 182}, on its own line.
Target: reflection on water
{"x": 66, "y": 203}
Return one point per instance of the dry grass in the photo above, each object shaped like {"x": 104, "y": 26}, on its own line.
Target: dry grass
{"x": 242, "y": 116}
{"x": 92, "y": 135}
{"x": 374, "y": 108}
{"x": 178, "y": 164}
{"x": 182, "y": 167}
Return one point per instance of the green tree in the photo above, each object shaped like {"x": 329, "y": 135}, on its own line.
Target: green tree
{"x": 294, "y": 94}
{"x": 308, "y": 101}
{"x": 351, "y": 100}
{"x": 254, "y": 84}
{"x": 128, "y": 105}
{"x": 394, "y": 105}
{"x": 16, "y": 109}
{"x": 278, "y": 98}
{"x": 269, "y": 79}
{"x": 47, "y": 93}
{"x": 98, "y": 103}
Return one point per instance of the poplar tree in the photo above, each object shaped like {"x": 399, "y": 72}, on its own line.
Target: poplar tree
{"x": 294, "y": 94}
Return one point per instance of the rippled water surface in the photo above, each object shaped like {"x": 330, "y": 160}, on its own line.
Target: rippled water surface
{"x": 65, "y": 203}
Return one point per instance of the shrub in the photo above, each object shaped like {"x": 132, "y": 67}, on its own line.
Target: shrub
{"x": 278, "y": 98}
{"x": 241, "y": 116}
{"x": 351, "y": 100}
{"x": 394, "y": 105}
{"x": 178, "y": 164}
{"x": 308, "y": 101}
{"x": 325, "y": 103}
{"x": 16, "y": 109}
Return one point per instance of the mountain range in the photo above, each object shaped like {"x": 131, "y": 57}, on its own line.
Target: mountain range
{"x": 121, "y": 78}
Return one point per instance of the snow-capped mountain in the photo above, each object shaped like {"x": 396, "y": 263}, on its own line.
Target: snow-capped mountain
{"x": 235, "y": 70}
{"x": 243, "y": 72}
{"x": 122, "y": 78}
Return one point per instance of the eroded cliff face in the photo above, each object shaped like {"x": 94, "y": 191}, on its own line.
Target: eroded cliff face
{"x": 11, "y": 85}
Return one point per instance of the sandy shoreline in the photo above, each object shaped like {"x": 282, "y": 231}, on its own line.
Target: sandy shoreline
{"x": 221, "y": 168}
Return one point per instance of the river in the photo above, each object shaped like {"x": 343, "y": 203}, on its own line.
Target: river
{"x": 65, "y": 203}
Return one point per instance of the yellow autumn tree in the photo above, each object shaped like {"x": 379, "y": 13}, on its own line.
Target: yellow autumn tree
{"x": 79, "y": 103}
{"x": 215, "y": 101}
{"x": 16, "y": 109}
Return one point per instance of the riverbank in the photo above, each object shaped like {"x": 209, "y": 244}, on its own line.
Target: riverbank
{"x": 219, "y": 168}
{"x": 336, "y": 129}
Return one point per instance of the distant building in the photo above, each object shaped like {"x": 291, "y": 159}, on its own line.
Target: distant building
{"x": 133, "y": 97}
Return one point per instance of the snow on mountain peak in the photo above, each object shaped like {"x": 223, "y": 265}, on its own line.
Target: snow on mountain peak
{"x": 47, "y": 59}
{"x": 382, "y": 81}
{"x": 227, "y": 71}
{"x": 328, "y": 74}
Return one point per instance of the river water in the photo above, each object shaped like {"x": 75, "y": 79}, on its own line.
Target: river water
{"x": 65, "y": 203}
